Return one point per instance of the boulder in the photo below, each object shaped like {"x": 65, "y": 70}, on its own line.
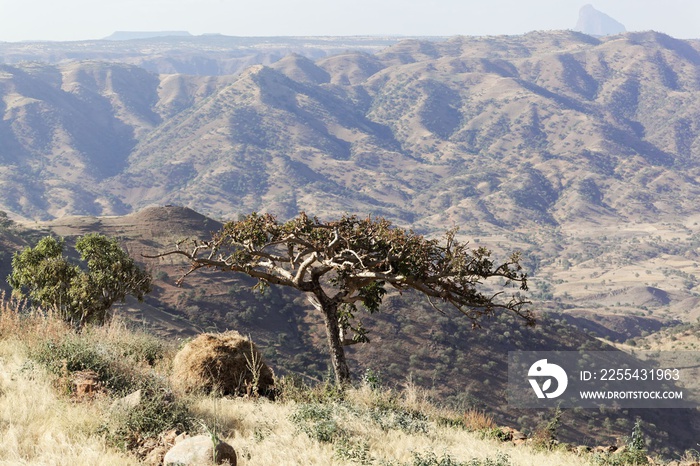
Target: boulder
{"x": 221, "y": 363}
{"x": 128, "y": 402}
{"x": 199, "y": 451}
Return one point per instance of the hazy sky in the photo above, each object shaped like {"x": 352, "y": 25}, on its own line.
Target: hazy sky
{"x": 95, "y": 19}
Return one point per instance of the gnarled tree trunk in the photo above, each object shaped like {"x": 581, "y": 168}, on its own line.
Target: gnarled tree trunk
{"x": 329, "y": 309}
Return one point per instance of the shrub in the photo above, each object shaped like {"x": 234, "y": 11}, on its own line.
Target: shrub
{"x": 430, "y": 459}
{"x": 122, "y": 359}
{"x": 73, "y": 354}
{"x": 407, "y": 420}
{"x": 79, "y": 294}
{"x": 158, "y": 411}
{"x": 634, "y": 454}
{"x": 497, "y": 433}
{"x": 357, "y": 452}
{"x": 317, "y": 421}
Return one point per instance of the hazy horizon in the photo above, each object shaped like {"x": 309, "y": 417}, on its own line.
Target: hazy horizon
{"x": 36, "y": 20}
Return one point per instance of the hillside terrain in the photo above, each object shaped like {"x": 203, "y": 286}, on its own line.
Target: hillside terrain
{"x": 581, "y": 152}
{"x": 458, "y": 366}
{"x": 46, "y": 419}
{"x": 182, "y": 53}
{"x": 502, "y": 132}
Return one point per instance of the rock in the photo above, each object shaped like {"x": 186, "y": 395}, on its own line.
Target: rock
{"x": 128, "y": 402}
{"x": 604, "y": 449}
{"x": 597, "y": 23}
{"x": 518, "y": 437}
{"x": 199, "y": 450}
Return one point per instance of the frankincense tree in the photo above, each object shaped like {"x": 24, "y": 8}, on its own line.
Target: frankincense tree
{"x": 352, "y": 261}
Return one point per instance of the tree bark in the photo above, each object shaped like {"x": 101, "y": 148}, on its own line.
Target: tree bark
{"x": 329, "y": 309}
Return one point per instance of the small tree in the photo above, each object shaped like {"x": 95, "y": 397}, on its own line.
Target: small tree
{"x": 47, "y": 278}
{"x": 340, "y": 264}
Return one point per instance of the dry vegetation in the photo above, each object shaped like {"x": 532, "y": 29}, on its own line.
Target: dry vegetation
{"x": 38, "y": 423}
{"x": 42, "y": 421}
{"x": 460, "y": 367}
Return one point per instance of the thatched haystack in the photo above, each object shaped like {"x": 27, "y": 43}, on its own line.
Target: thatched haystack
{"x": 221, "y": 363}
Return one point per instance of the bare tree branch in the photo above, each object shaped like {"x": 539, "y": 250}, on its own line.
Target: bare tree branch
{"x": 358, "y": 259}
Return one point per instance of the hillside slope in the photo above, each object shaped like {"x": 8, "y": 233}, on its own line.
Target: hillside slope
{"x": 508, "y": 132}
{"x": 459, "y": 366}
{"x": 44, "y": 419}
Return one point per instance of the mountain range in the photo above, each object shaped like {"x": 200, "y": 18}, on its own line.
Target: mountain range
{"x": 543, "y": 128}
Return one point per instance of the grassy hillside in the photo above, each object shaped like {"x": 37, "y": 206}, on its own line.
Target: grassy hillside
{"x": 44, "y": 421}
{"x": 580, "y": 152}
{"x": 454, "y": 364}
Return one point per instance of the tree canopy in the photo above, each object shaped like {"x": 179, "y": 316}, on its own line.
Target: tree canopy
{"x": 78, "y": 294}
{"x": 352, "y": 261}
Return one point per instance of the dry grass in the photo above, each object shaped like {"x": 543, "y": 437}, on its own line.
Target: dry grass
{"x": 225, "y": 363}
{"x": 264, "y": 433}
{"x": 38, "y": 426}
{"x": 366, "y": 426}
{"x": 475, "y": 419}
{"x": 320, "y": 426}
{"x": 24, "y": 324}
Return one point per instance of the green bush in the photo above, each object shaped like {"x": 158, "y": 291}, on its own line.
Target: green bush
{"x": 357, "y": 452}
{"x": 79, "y": 293}
{"x": 73, "y": 354}
{"x": 431, "y": 459}
{"x": 122, "y": 360}
{"x": 317, "y": 421}
{"x": 497, "y": 433}
{"x": 409, "y": 421}
{"x": 158, "y": 411}
{"x": 635, "y": 453}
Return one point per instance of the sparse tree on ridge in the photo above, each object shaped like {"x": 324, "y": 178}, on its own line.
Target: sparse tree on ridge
{"x": 352, "y": 261}
{"x": 79, "y": 295}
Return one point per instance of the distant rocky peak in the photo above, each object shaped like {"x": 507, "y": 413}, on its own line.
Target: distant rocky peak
{"x": 597, "y": 23}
